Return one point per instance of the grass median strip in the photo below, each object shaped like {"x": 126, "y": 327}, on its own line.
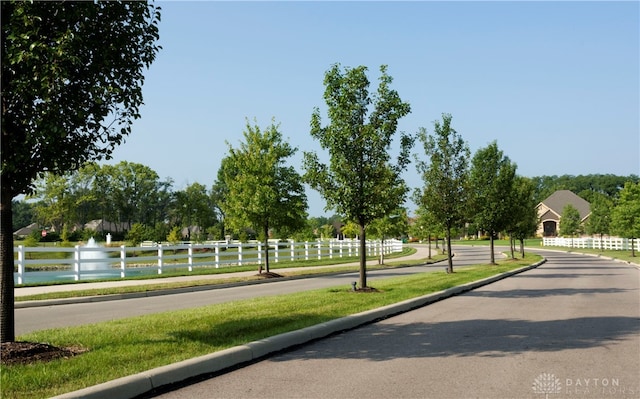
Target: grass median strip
{"x": 128, "y": 346}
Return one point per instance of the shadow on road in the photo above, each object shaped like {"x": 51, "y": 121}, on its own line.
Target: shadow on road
{"x": 478, "y": 337}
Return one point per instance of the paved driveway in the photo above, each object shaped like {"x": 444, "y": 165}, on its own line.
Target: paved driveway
{"x": 569, "y": 329}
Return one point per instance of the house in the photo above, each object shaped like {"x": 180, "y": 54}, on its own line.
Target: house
{"x": 550, "y": 211}
{"x": 101, "y": 226}
{"x": 25, "y": 231}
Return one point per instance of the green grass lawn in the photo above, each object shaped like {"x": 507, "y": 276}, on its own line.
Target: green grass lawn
{"x": 128, "y": 346}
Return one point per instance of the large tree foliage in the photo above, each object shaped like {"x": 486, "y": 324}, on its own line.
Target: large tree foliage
{"x": 625, "y": 218}
{"x": 360, "y": 182}
{"x": 72, "y": 75}
{"x": 490, "y": 185}
{"x": 445, "y": 174}
{"x": 584, "y": 185}
{"x": 263, "y": 193}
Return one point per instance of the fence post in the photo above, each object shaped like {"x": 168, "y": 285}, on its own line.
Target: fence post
{"x": 123, "y": 263}
{"x": 260, "y": 252}
{"x": 217, "y": 251}
{"x": 293, "y": 253}
{"x": 306, "y": 250}
{"x": 160, "y": 258}
{"x": 123, "y": 260}
{"x": 330, "y": 249}
{"x": 240, "y": 254}
{"x": 319, "y": 243}
{"x": 76, "y": 264}
{"x": 190, "y": 250}
{"x": 20, "y": 264}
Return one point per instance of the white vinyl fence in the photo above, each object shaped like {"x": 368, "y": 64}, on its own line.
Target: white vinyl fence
{"x": 97, "y": 262}
{"x": 615, "y": 243}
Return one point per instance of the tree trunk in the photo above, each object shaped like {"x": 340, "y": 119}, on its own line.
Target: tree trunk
{"x": 363, "y": 258}
{"x": 522, "y": 247}
{"x": 493, "y": 257}
{"x": 449, "y": 258}
{"x": 512, "y": 247}
{"x": 429, "y": 240}
{"x": 601, "y": 244}
{"x": 266, "y": 247}
{"x": 633, "y": 251}
{"x": 7, "y": 315}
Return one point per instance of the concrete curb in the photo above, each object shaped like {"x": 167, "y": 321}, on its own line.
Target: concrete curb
{"x": 141, "y": 383}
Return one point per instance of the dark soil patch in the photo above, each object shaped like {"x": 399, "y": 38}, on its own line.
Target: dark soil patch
{"x": 366, "y": 290}
{"x": 30, "y": 352}
{"x": 269, "y": 275}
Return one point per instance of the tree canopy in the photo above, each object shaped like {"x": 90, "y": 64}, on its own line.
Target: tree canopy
{"x": 490, "y": 186}
{"x": 445, "y": 173}
{"x": 625, "y": 218}
{"x": 360, "y": 182}
{"x": 72, "y": 75}
{"x": 263, "y": 193}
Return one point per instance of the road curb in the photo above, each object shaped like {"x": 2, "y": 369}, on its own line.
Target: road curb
{"x": 150, "y": 380}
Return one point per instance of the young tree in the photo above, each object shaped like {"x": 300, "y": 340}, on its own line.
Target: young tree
{"x": 72, "y": 76}
{"x": 393, "y": 225}
{"x": 445, "y": 177}
{"x": 600, "y": 219}
{"x": 570, "y": 221}
{"x": 523, "y": 220}
{"x": 360, "y": 182}
{"x": 490, "y": 185}
{"x": 264, "y": 193}
{"x": 625, "y": 218}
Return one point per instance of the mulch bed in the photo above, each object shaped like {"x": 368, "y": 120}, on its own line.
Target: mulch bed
{"x": 21, "y": 352}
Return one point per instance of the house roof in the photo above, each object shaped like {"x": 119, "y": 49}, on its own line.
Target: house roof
{"x": 561, "y": 198}
{"x": 25, "y": 231}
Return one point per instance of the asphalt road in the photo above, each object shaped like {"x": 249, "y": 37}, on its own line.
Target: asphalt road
{"x": 568, "y": 329}
{"x": 45, "y": 317}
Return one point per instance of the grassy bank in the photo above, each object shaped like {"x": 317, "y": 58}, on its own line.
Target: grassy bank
{"x": 124, "y": 347}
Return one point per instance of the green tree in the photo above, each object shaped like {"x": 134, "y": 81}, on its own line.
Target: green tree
{"x": 54, "y": 206}
{"x": 523, "y": 220}
{"x": 72, "y": 76}
{"x": 23, "y": 213}
{"x": 394, "y": 225}
{"x": 625, "y": 218}
{"x": 220, "y": 191}
{"x": 600, "y": 218}
{"x": 570, "y": 221}
{"x": 445, "y": 177}
{"x": 137, "y": 233}
{"x": 360, "y": 181}
{"x": 490, "y": 185}
{"x": 194, "y": 207}
{"x": 263, "y": 193}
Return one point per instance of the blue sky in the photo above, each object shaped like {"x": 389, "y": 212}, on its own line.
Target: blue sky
{"x": 556, "y": 84}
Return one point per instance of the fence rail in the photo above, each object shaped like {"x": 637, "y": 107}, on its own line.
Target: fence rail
{"x": 614, "y": 243}
{"x": 91, "y": 262}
